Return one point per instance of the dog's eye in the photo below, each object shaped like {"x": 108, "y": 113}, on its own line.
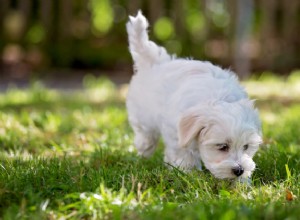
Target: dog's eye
{"x": 223, "y": 147}
{"x": 246, "y": 146}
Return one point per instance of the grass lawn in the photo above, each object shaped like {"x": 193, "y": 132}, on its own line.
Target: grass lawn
{"x": 69, "y": 155}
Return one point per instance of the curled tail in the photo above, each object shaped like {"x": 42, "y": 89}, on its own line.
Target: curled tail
{"x": 144, "y": 52}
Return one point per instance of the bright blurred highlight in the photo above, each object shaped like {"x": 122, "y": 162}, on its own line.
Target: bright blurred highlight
{"x": 102, "y": 16}
{"x": 163, "y": 28}
{"x": 220, "y": 16}
{"x": 195, "y": 23}
{"x": 36, "y": 34}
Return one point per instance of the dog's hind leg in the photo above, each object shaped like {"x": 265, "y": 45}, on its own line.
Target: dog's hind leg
{"x": 145, "y": 141}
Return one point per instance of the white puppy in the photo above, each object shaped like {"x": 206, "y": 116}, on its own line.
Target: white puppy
{"x": 199, "y": 109}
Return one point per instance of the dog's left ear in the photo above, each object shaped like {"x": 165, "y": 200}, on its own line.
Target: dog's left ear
{"x": 190, "y": 126}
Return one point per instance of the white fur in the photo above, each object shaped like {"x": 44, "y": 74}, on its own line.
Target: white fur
{"x": 193, "y": 105}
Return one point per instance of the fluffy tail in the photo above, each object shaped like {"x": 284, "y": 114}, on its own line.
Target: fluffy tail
{"x": 144, "y": 52}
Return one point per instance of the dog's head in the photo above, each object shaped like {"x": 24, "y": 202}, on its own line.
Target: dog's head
{"x": 227, "y": 134}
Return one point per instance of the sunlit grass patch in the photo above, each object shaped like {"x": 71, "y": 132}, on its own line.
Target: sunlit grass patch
{"x": 70, "y": 155}
{"x": 268, "y": 86}
{"x": 38, "y": 119}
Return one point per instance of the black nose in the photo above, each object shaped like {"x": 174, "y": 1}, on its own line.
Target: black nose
{"x": 238, "y": 170}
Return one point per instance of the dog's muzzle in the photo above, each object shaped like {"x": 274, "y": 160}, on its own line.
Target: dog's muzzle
{"x": 238, "y": 171}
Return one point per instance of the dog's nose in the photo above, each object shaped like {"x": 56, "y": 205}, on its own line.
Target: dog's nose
{"x": 238, "y": 170}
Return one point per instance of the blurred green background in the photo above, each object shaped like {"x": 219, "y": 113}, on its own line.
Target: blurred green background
{"x": 40, "y": 37}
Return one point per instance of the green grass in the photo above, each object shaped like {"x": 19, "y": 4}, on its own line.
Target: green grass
{"x": 69, "y": 155}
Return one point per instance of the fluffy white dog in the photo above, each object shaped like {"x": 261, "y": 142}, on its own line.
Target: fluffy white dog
{"x": 199, "y": 109}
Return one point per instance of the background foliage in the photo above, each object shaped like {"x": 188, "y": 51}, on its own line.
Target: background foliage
{"x": 245, "y": 35}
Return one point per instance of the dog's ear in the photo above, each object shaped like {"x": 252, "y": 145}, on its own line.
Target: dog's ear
{"x": 190, "y": 125}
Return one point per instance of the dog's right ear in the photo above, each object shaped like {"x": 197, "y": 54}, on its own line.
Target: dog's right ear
{"x": 190, "y": 125}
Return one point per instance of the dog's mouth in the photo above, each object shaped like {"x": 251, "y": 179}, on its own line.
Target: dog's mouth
{"x": 225, "y": 176}
{"x": 223, "y": 172}
{"x": 228, "y": 174}
{"x": 220, "y": 173}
